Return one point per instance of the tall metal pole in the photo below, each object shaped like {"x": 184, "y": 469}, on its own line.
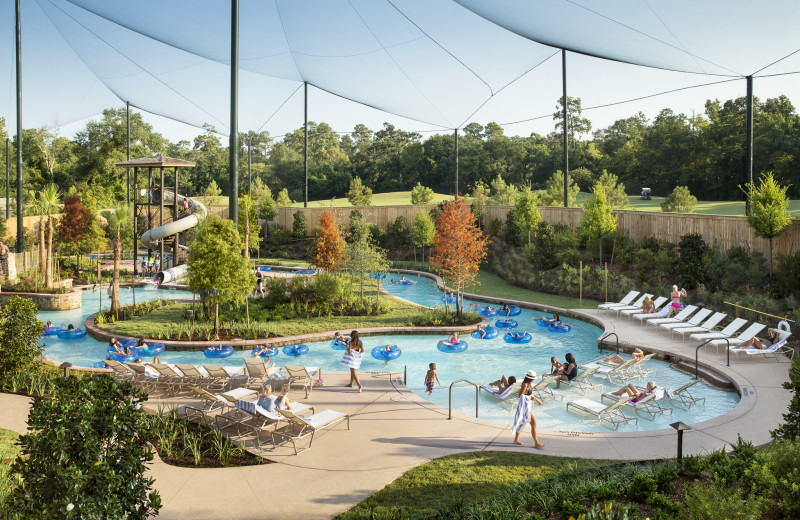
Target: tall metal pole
{"x": 748, "y": 159}
{"x": 135, "y": 219}
{"x": 20, "y": 229}
{"x": 566, "y": 125}
{"x": 233, "y": 164}
{"x": 455, "y": 134}
{"x": 128, "y": 120}
{"x": 162, "y": 264}
{"x": 249, "y": 174}
{"x": 8, "y": 177}
{"x": 305, "y": 138}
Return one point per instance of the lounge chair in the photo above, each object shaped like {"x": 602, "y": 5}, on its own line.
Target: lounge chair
{"x": 775, "y": 348}
{"x": 610, "y": 413}
{"x": 625, "y": 301}
{"x": 219, "y": 374}
{"x": 683, "y": 396}
{"x": 657, "y": 304}
{"x": 301, "y": 427}
{"x": 727, "y": 332}
{"x": 581, "y": 382}
{"x": 694, "y": 320}
{"x": 748, "y": 334}
{"x": 301, "y": 376}
{"x": 707, "y": 326}
{"x": 640, "y": 369}
{"x": 145, "y": 377}
{"x": 120, "y": 371}
{"x": 612, "y": 372}
{"x": 678, "y": 318}
{"x": 253, "y": 419}
{"x": 258, "y": 373}
{"x": 648, "y": 404}
{"x": 191, "y": 375}
{"x": 168, "y": 377}
{"x": 635, "y": 305}
{"x": 542, "y": 389}
{"x": 213, "y": 402}
{"x": 643, "y": 316}
{"x": 508, "y": 395}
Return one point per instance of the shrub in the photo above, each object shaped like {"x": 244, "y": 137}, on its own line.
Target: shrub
{"x": 642, "y": 487}
{"x": 87, "y": 455}
{"x": 328, "y": 287}
{"x": 787, "y": 275}
{"x": 570, "y": 257}
{"x": 679, "y": 201}
{"x": 358, "y": 194}
{"x": 790, "y": 429}
{"x": 719, "y": 502}
{"x": 420, "y": 195}
{"x": 299, "y": 226}
{"x": 399, "y": 227}
{"x": 20, "y": 332}
{"x": 775, "y": 475}
{"x": 512, "y": 234}
{"x": 495, "y": 227}
{"x": 542, "y": 252}
{"x": 378, "y": 234}
{"x": 279, "y": 234}
{"x": 691, "y": 265}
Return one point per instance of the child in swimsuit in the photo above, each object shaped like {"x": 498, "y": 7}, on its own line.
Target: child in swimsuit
{"x": 429, "y": 377}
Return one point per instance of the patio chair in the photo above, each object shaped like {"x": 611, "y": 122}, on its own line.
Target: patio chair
{"x": 644, "y": 316}
{"x": 258, "y": 372}
{"x": 192, "y": 375}
{"x": 301, "y": 427}
{"x": 678, "y": 318}
{"x": 694, "y": 320}
{"x": 727, "y": 332}
{"x": 625, "y": 301}
{"x": 775, "y": 348}
{"x": 542, "y": 389}
{"x": 168, "y": 377}
{"x": 251, "y": 418}
{"x": 640, "y": 368}
{"x": 612, "y": 372}
{"x": 635, "y": 305}
{"x": 683, "y": 396}
{"x": 748, "y": 334}
{"x": 657, "y": 304}
{"x": 604, "y": 413}
{"x": 581, "y": 382}
{"x": 301, "y": 376}
{"x": 648, "y": 404}
{"x": 508, "y": 395}
{"x": 707, "y": 326}
{"x": 121, "y": 373}
{"x": 145, "y": 377}
{"x": 218, "y": 374}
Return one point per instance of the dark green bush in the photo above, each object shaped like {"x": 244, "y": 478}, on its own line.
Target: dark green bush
{"x": 542, "y": 252}
{"x": 20, "y": 333}
{"x": 328, "y": 287}
{"x": 277, "y": 291}
{"x": 642, "y": 487}
{"x": 378, "y": 234}
{"x": 787, "y": 275}
{"x": 299, "y": 226}
{"x": 570, "y": 257}
{"x": 512, "y": 234}
{"x": 719, "y": 502}
{"x": 790, "y": 429}
{"x": 495, "y": 227}
{"x": 691, "y": 264}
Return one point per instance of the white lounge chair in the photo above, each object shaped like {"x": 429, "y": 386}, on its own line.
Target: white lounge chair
{"x": 613, "y": 372}
{"x": 748, "y": 334}
{"x": 678, "y": 318}
{"x": 643, "y": 316}
{"x": 250, "y": 418}
{"x": 707, "y": 326}
{"x": 582, "y": 381}
{"x": 610, "y": 413}
{"x": 507, "y": 395}
{"x": 727, "y": 332}
{"x": 635, "y": 305}
{"x": 683, "y": 396}
{"x": 121, "y": 372}
{"x": 301, "y": 427}
{"x": 542, "y": 389}
{"x": 775, "y": 348}
{"x": 694, "y": 320}
{"x": 301, "y": 376}
{"x": 648, "y": 404}
{"x": 219, "y": 375}
{"x": 657, "y": 304}
{"x": 625, "y": 301}
{"x": 258, "y": 372}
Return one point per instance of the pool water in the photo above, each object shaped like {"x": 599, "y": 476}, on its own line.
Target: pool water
{"x": 483, "y": 361}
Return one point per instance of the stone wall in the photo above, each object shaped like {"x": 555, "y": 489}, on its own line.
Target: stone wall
{"x": 48, "y": 302}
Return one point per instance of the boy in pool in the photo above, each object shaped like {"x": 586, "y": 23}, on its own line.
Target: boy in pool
{"x": 480, "y": 331}
{"x": 429, "y": 377}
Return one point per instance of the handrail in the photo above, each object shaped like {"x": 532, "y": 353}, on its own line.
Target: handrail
{"x": 450, "y": 397}
{"x": 697, "y": 352}
{"x": 405, "y": 374}
{"x": 600, "y": 341}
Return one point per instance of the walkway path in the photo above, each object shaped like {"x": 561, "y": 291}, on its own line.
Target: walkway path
{"x": 393, "y": 430}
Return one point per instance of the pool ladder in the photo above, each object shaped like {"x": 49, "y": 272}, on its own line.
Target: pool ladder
{"x": 450, "y": 396}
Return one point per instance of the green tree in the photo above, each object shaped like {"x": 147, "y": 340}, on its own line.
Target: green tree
{"x": 217, "y": 269}
{"x": 86, "y": 456}
{"x": 769, "y": 209}
{"x": 283, "y": 198}
{"x": 614, "y": 189}
{"x": 577, "y": 124}
{"x": 358, "y": 194}
{"x": 479, "y": 199}
{"x": 598, "y": 219}
{"x": 20, "y": 332}
{"x": 50, "y": 199}
{"x": 299, "y": 226}
{"x": 248, "y": 225}
{"x": 119, "y": 230}
{"x": 527, "y": 211}
{"x": 679, "y": 201}
{"x": 262, "y": 195}
{"x": 504, "y": 194}
{"x": 790, "y": 429}
{"x": 421, "y": 195}
{"x": 364, "y": 257}
{"x": 423, "y": 230}
{"x": 553, "y": 194}
{"x": 211, "y": 193}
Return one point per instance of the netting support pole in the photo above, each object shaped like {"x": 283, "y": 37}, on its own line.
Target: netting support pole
{"x": 305, "y": 140}
{"x": 128, "y": 121}
{"x": 233, "y": 163}
{"x": 135, "y": 225}
{"x": 748, "y": 146}
{"x": 565, "y": 103}
{"x": 18, "y": 40}
{"x": 161, "y": 259}
{"x": 455, "y": 138}
{"x": 8, "y": 177}
{"x": 249, "y": 173}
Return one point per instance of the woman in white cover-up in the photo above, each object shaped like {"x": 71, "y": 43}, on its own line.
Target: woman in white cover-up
{"x": 352, "y": 358}
{"x": 524, "y": 413}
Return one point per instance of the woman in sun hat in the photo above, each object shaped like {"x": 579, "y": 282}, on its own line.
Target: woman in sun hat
{"x": 524, "y": 413}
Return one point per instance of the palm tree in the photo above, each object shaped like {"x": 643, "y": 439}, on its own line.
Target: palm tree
{"x": 39, "y": 207}
{"x": 118, "y": 221}
{"x": 50, "y": 199}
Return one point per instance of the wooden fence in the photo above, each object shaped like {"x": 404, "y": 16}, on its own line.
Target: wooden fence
{"x": 726, "y": 232}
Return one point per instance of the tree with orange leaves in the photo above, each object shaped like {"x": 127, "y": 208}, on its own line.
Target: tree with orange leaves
{"x": 459, "y": 246}
{"x": 329, "y": 247}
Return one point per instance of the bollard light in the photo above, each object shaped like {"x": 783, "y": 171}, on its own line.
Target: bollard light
{"x": 65, "y": 367}
{"x": 680, "y": 427}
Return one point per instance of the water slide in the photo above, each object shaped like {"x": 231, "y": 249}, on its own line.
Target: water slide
{"x": 152, "y": 238}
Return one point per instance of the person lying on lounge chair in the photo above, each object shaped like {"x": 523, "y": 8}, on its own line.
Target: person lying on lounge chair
{"x": 754, "y": 342}
{"x": 632, "y": 391}
{"x": 503, "y": 383}
{"x": 618, "y": 360}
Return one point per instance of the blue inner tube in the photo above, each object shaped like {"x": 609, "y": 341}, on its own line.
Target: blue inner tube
{"x": 307, "y": 271}
{"x": 563, "y": 327}
{"x": 525, "y": 338}
{"x": 152, "y": 349}
{"x": 265, "y": 268}
{"x": 338, "y": 345}
{"x": 130, "y": 343}
{"x": 378, "y": 276}
{"x": 72, "y": 334}
{"x": 491, "y": 333}
{"x": 488, "y": 313}
{"x": 544, "y": 323}
{"x": 273, "y": 352}
{"x": 295, "y": 350}
{"x": 214, "y": 352}
{"x": 513, "y": 310}
{"x": 123, "y": 358}
{"x": 49, "y": 331}
{"x": 449, "y": 299}
{"x": 506, "y": 324}
{"x": 449, "y": 348}
{"x": 381, "y": 354}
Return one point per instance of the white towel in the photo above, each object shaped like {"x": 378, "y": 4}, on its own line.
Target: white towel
{"x": 351, "y": 359}
{"x": 522, "y": 416}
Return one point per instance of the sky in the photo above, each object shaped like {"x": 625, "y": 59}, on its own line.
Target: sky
{"x": 435, "y": 62}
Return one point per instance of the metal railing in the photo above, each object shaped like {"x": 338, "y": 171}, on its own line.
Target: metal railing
{"x": 600, "y": 342}
{"x": 706, "y": 342}
{"x": 450, "y": 397}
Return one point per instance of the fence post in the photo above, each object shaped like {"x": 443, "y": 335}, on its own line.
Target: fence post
{"x": 606, "y": 281}
{"x": 580, "y": 291}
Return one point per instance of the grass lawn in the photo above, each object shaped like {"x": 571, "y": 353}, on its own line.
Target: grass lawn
{"x": 394, "y": 198}
{"x": 8, "y": 452}
{"x": 165, "y": 318}
{"x": 471, "y": 477}
{"x": 286, "y": 262}
{"x": 493, "y": 285}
